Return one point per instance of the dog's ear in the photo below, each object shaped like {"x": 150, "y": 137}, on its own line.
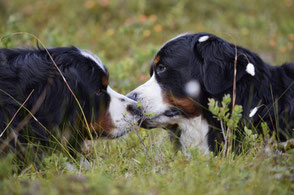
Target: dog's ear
{"x": 216, "y": 58}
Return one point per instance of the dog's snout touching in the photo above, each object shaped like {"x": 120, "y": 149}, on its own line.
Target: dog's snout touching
{"x": 133, "y": 96}
{"x": 134, "y": 109}
{"x": 172, "y": 112}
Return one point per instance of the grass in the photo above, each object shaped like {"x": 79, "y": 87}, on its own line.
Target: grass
{"x": 122, "y": 167}
{"x": 126, "y": 35}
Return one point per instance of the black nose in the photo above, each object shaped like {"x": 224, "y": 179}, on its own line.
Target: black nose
{"x": 133, "y": 96}
{"x": 134, "y": 109}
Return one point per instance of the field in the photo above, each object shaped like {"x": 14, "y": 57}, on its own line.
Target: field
{"x": 126, "y": 35}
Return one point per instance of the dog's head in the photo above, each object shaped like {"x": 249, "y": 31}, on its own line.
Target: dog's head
{"x": 186, "y": 70}
{"x": 109, "y": 113}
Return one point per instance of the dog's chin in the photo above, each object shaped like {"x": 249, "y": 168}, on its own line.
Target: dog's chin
{"x": 146, "y": 124}
{"x": 169, "y": 117}
{"x": 122, "y": 128}
{"x": 159, "y": 122}
{"x": 116, "y": 133}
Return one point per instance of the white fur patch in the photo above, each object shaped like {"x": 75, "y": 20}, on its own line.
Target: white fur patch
{"x": 192, "y": 88}
{"x": 203, "y": 38}
{"x": 93, "y": 57}
{"x": 150, "y": 96}
{"x": 193, "y": 131}
{"x": 194, "y": 134}
{"x": 250, "y": 69}
{"x": 253, "y": 112}
{"x": 118, "y": 112}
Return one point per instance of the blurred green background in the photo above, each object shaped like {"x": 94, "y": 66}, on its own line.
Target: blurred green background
{"x": 125, "y": 34}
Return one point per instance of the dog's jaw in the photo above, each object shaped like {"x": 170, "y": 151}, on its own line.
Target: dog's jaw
{"x": 150, "y": 96}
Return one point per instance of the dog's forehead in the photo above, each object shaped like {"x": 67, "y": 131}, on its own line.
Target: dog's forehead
{"x": 176, "y": 38}
{"x": 172, "y": 55}
{"x": 105, "y": 76}
{"x": 169, "y": 47}
{"x": 94, "y": 58}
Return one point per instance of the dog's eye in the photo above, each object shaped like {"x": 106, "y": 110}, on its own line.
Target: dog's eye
{"x": 98, "y": 92}
{"x": 161, "y": 68}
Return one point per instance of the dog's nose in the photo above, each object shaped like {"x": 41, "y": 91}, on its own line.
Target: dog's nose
{"x": 133, "y": 96}
{"x": 134, "y": 109}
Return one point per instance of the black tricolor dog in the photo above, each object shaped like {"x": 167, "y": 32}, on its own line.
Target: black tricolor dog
{"x": 191, "y": 68}
{"x": 25, "y": 71}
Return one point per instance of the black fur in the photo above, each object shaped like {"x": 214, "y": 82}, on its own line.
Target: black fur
{"x": 23, "y": 71}
{"x": 211, "y": 63}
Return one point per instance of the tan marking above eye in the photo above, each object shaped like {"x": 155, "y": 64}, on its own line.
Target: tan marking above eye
{"x": 156, "y": 60}
{"x": 104, "y": 81}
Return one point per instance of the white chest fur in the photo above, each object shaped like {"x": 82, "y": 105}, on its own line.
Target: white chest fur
{"x": 194, "y": 134}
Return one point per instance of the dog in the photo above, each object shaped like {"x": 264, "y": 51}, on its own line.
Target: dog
{"x": 191, "y": 68}
{"x": 51, "y": 98}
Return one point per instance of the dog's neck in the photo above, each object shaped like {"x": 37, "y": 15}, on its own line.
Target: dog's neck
{"x": 193, "y": 134}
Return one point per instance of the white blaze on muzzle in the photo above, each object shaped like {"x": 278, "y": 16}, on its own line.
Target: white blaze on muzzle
{"x": 121, "y": 118}
{"x": 150, "y": 96}
{"x": 193, "y": 130}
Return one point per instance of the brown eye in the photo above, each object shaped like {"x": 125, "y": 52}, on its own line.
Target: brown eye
{"x": 161, "y": 68}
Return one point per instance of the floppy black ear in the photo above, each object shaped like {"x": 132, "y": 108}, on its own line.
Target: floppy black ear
{"x": 216, "y": 58}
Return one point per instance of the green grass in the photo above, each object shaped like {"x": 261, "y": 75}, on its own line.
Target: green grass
{"x": 126, "y": 35}
{"x": 124, "y": 167}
